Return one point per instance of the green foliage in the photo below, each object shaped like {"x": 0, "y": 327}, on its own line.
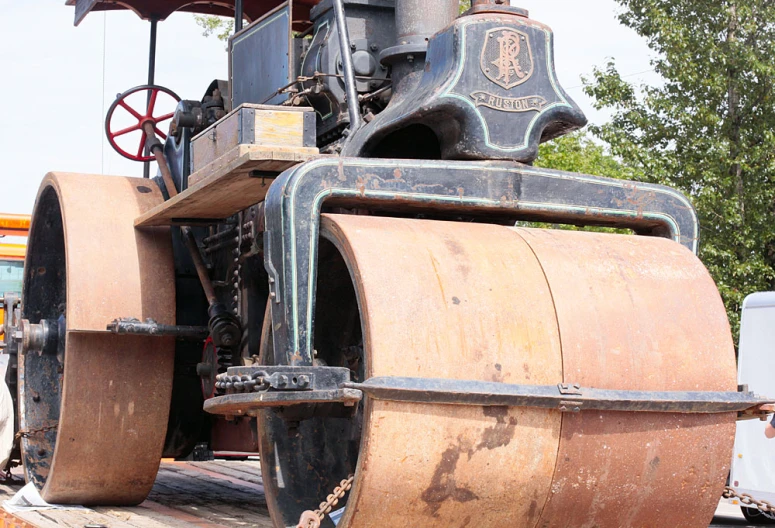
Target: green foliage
{"x": 578, "y": 152}
{"x": 214, "y": 25}
{"x": 708, "y": 130}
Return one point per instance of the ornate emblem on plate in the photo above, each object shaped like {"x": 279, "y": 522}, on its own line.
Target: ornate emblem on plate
{"x": 507, "y": 59}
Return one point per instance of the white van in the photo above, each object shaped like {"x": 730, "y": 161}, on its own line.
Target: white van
{"x": 753, "y": 461}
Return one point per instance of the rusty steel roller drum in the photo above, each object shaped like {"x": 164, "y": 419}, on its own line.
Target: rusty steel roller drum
{"x": 96, "y": 410}
{"x": 523, "y": 306}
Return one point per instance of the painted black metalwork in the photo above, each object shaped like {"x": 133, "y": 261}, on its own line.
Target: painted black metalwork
{"x": 370, "y": 28}
{"x": 488, "y": 90}
{"x": 498, "y": 190}
{"x": 251, "y": 388}
{"x": 565, "y": 397}
{"x": 255, "y": 75}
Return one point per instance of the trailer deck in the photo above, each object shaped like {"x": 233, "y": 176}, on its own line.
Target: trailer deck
{"x": 216, "y": 494}
{"x": 186, "y": 494}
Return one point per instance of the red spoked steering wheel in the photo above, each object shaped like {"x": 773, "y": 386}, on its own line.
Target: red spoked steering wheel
{"x": 142, "y": 117}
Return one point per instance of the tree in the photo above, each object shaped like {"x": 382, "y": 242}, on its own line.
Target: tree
{"x": 221, "y": 27}
{"x": 578, "y": 152}
{"x": 708, "y": 129}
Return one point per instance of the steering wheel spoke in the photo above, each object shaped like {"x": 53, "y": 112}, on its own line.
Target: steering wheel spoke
{"x": 129, "y": 109}
{"x": 127, "y": 130}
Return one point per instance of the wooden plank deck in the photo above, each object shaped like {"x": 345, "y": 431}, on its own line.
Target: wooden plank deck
{"x": 217, "y": 494}
{"x": 225, "y": 186}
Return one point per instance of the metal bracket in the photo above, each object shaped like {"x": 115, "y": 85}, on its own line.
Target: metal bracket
{"x": 252, "y": 388}
{"x": 569, "y": 389}
{"x": 249, "y": 389}
{"x": 470, "y": 392}
{"x": 502, "y": 190}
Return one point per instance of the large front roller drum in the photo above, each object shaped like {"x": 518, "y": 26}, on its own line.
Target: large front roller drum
{"x": 482, "y": 302}
{"x": 94, "y": 412}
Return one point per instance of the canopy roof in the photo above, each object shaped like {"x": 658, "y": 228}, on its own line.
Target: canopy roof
{"x": 161, "y": 9}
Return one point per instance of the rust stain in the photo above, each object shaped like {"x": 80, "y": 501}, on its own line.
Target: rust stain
{"x": 360, "y": 184}
{"x": 502, "y": 432}
{"x": 443, "y": 486}
{"x": 340, "y": 171}
{"x": 438, "y": 276}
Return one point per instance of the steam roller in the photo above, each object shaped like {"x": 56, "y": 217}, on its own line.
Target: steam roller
{"x": 348, "y": 263}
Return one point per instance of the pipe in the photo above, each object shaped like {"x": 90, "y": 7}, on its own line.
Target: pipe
{"x": 152, "y": 54}
{"x": 154, "y": 145}
{"x": 353, "y": 107}
{"x": 238, "y": 16}
{"x": 416, "y": 23}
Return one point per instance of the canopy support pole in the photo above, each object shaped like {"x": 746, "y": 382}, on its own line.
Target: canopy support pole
{"x": 151, "y": 80}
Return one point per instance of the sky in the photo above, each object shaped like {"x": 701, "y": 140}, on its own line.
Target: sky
{"x": 60, "y": 80}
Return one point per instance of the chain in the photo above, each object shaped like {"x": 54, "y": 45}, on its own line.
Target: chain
{"x": 748, "y": 500}
{"x": 312, "y": 519}
{"x": 31, "y": 432}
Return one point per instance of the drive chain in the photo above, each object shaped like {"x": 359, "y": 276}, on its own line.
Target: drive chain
{"x": 312, "y": 519}
{"x": 748, "y": 500}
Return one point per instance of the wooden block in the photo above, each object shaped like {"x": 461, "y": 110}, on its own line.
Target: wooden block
{"x": 226, "y": 187}
{"x": 250, "y": 124}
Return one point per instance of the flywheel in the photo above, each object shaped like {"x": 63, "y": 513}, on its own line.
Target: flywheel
{"x": 432, "y": 299}
{"x": 94, "y": 406}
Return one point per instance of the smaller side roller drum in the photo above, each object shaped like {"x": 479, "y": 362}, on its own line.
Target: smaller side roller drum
{"x": 432, "y": 299}
{"x": 94, "y": 406}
